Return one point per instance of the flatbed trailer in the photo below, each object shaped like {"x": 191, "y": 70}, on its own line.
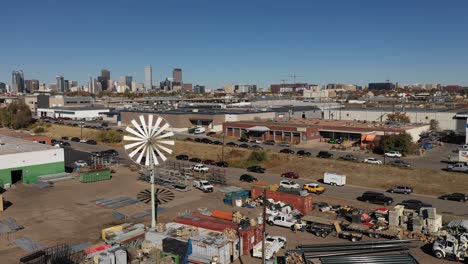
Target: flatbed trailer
{"x": 374, "y": 232}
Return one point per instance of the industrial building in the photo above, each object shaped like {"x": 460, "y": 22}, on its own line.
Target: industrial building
{"x": 25, "y": 161}
{"x": 75, "y": 113}
{"x": 303, "y": 130}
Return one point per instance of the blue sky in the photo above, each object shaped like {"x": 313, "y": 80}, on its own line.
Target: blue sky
{"x": 217, "y": 42}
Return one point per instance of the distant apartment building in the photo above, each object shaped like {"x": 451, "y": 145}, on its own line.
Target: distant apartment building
{"x": 17, "y": 82}
{"x": 199, "y": 89}
{"x": 32, "y": 85}
{"x": 148, "y": 77}
{"x": 340, "y": 86}
{"x": 245, "y": 88}
{"x": 387, "y": 86}
{"x": 319, "y": 94}
{"x": 41, "y": 100}
{"x": 288, "y": 87}
{"x": 187, "y": 87}
{"x": 177, "y": 75}
{"x": 431, "y": 86}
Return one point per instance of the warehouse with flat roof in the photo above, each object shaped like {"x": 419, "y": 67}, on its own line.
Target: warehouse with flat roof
{"x": 25, "y": 161}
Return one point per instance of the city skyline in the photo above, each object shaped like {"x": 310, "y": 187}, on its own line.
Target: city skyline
{"x": 321, "y": 42}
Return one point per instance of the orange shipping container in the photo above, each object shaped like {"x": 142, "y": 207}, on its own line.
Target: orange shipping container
{"x": 221, "y": 215}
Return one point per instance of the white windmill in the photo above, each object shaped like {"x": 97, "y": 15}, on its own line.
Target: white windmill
{"x": 146, "y": 147}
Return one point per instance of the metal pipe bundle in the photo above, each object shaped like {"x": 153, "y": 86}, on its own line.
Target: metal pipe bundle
{"x": 354, "y": 252}
{"x": 356, "y": 243}
{"x": 375, "y": 259}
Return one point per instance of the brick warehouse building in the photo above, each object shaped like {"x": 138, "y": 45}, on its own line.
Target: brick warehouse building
{"x": 303, "y": 130}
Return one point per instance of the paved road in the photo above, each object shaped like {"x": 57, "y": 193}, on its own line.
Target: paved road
{"x": 345, "y": 192}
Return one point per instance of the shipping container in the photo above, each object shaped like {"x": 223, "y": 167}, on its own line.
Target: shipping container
{"x": 93, "y": 176}
{"x": 301, "y": 203}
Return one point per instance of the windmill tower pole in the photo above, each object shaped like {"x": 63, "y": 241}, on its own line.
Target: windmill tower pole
{"x": 153, "y": 202}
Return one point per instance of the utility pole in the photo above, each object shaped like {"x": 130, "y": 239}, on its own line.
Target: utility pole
{"x": 264, "y": 228}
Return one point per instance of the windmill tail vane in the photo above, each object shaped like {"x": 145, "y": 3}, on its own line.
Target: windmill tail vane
{"x": 149, "y": 141}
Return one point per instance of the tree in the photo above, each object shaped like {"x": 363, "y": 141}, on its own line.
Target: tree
{"x": 16, "y": 115}
{"x": 398, "y": 117}
{"x": 402, "y": 143}
{"x": 434, "y": 125}
{"x": 257, "y": 156}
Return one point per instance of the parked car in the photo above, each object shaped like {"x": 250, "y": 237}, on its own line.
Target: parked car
{"x": 243, "y": 140}
{"x": 375, "y": 198}
{"x": 303, "y": 153}
{"x": 400, "y": 163}
{"x": 287, "y": 151}
{"x": 332, "y": 140}
{"x": 91, "y": 142}
{"x": 460, "y": 197}
{"x": 231, "y": 144}
{"x": 217, "y": 142}
{"x": 283, "y": 144}
{"x": 349, "y": 157}
{"x": 111, "y": 152}
{"x": 373, "y": 161}
{"x": 209, "y": 162}
{"x": 287, "y": 184}
{"x": 269, "y": 142}
{"x": 256, "y": 147}
{"x": 203, "y": 185}
{"x": 313, "y": 188}
{"x": 206, "y": 141}
{"x": 393, "y": 154}
{"x": 64, "y": 138}
{"x": 199, "y": 130}
{"x": 196, "y": 160}
{"x": 255, "y": 141}
{"x": 75, "y": 139}
{"x": 458, "y": 167}
{"x": 182, "y": 157}
{"x": 256, "y": 169}
{"x": 211, "y": 133}
{"x": 198, "y": 140}
{"x": 414, "y": 204}
{"x": 324, "y": 154}
{"x": 65, "y": 144}
{"x": 200, "y": 168}
{"x": 401, "y": 189}
{"x": 247, "y": 178}
{"x": 189, "y": 139}
{"x": 290, "y": 174}
{"x": 83, "y": 140}
{"x": 222, "y": 164}
{"x": 339, "y": 141}
{"x": 244, "y": 146}
{"x": 81, "y": 163}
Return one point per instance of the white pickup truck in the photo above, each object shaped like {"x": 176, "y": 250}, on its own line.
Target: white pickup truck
{"x": 203, "y": 185}
{"x": 273, "y": 244}
{"x": 458, "y": 167}
{"x": 285, "y": 221}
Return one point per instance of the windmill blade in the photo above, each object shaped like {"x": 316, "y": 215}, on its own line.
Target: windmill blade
{"x": 155, "y": 158}
{"x": 147, "y": 160}
{"x": 164, "y": 158}
{"x": 167, "y": 142}
{"x": 141, "y": 154}
{"x": 168, "y": 134}
{"x": 129, "y": 138}
{"x": 133, "y": 153}
{"x": 166, "y": 126}
{"x": 158, "y": 122}
{"x": 143, "y": 123}
{"x": 150, "y": 125}
{"x": 133, "y": 132}
{"x": 165, "y": 149}
{"x": 137, "y": 126}
{"x": 130, "y": 146}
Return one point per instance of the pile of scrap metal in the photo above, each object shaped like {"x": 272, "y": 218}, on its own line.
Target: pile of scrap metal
{"x": 128, "y": 234}
{"x": 313, "y": 252}
{"x": 350, "y": 213}
{"x": 277, "y": 207}
{"x": 423, "y": 224}
{"x": 294, "y": 258}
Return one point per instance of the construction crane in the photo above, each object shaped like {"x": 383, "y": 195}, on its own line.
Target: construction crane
{"x": 294, "y": 76}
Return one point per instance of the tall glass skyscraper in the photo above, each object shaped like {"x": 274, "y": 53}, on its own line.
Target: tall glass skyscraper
{"x": 17, "y": 82}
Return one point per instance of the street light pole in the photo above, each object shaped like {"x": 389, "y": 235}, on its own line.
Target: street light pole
{"x": 81, "y": 126}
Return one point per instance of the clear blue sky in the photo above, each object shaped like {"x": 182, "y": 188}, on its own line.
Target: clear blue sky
{"x": 243, "y": 41}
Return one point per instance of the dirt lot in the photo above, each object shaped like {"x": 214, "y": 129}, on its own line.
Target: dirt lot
{"x": 66, "y": 213}
{"x": 425, "y": 181}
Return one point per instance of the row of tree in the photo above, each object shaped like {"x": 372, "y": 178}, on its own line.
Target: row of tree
{"x": 16, "y": 115}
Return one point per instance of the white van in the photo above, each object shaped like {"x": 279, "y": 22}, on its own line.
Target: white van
{"x": 199, "y": 130}
{"x": 334, "y": 179}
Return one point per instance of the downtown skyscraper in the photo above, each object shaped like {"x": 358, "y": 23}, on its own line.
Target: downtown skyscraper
{"x": 148, "y": 77}
{"x": 17, "y": 82}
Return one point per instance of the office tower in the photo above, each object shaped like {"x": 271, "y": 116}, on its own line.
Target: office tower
{"x": 126, "y": 80}
{"x": 148, "y": 77}
{"x": 60, "y": 84}
{"x": 3, "y": 88}
{"x": 31, "y": 85}
{"x": 199, "y": 89}
{"x": 134, "y": 86}
{"x": 17, "y": 82}
{"x": 66, "y": 86}
{"x": 187, "y": 87}
{"x": 104, "y": 79}
{"x": 177, "y": 75}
